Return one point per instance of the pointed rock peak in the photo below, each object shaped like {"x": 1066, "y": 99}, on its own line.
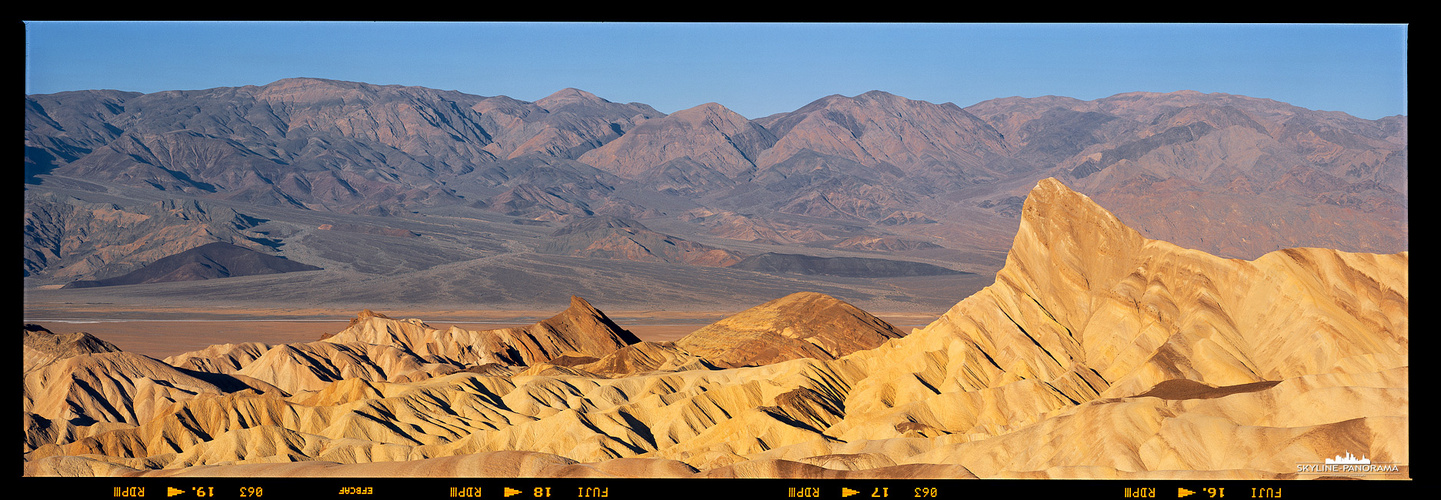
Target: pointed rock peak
{"x": 1052, "y": 202}
{"x": 1050, "y": 184}
{"x": 568, "y": 96}
{"x": 1051, "y": 195}
{"x": 365, "y": 315}
{"x": 1060, "y": 226}
{"x": 583, "y": 320}
{"x": 581, "y": 306}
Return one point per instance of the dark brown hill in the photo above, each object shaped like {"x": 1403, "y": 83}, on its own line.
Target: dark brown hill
{"x": 209, "y": 261}
{"x": 67, "y": 238}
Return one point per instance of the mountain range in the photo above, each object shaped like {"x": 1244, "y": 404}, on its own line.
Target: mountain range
{"x": 1094, "y": 353}
{"x": 469, "y": 192}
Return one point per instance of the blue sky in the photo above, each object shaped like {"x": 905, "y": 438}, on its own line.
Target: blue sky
{"x": 754, "y": 69}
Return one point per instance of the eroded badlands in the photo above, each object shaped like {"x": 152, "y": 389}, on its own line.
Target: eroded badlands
{"x": 1097, "y": 353}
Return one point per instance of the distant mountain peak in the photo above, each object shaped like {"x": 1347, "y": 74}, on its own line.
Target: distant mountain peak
{"x": 707, "y": 107}
{"x": 569, "y": 95}
{"x": 305, "y": 80}
{"x": 710, "y": 112}
{"x": 878, "y": 94}
{"x": 314, "y": 87}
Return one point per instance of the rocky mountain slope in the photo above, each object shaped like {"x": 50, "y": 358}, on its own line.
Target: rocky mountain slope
{"x": 1230, "y": 175}
{"x": 1257, "y": 175}
{"x": 704, "y": 148}
{"x": 67, "y": 238}
{"x": 625, "y": 239}
{"x": 1096, "y": 353}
